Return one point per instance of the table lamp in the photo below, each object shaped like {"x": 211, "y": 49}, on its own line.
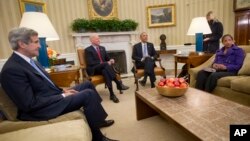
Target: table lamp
{"x": 198, "y": 27}
{"x": 40, "y": 22}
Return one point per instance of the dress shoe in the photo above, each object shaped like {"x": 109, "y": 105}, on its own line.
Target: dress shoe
{"x": 114, "y": 99}
{"x": 107, "y": 139}
{"x": 106, "y": 123}
{"x": 122, "y": 87}
{"x": 143, "y": 83}
{"x": 153, "y": 85}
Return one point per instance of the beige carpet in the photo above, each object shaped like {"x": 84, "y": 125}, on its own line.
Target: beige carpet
{"x": 127, "y": 128}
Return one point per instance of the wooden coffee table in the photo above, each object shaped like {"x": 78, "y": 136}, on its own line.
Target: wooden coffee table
{"x": 203, "y": 115}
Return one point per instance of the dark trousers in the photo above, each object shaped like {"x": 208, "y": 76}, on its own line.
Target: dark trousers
{"x": 208, "y": 80}
{"x": 89, "y": 99}
{"x": 108, "y": 73}
{"x": 148, "y": 65}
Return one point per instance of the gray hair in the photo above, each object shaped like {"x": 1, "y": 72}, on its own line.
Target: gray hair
{"x": 20, "y": 34}
{"x": 93, "y": 35}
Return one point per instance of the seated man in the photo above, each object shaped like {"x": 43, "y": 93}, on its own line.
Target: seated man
{"x": 36, "y": 96}
{"x": 98, "y": 62}
{"x": 228, "y": 61}
{"x": 144, "y": 55}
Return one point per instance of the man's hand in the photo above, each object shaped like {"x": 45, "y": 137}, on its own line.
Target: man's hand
{"x": 144, "y": 57}
{"x": 112, "y": 61}
{"x": 68, "y": 92}
{"x": 206, "y": 39}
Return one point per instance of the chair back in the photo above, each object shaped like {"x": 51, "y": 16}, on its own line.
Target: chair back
{"x": 81, "y": 57}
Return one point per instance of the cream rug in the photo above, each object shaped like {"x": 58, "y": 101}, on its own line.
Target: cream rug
{"x": 127, "y": 128}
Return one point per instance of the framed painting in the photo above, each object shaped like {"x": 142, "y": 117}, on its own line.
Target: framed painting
{"x": 32, "y": 6}
{"x": 161, "y": 15}
{"x": 241, "y": 5}
{"x": 104, "y": 9}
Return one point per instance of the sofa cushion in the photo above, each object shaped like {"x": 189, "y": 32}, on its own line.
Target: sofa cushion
{"x": 7, "y": 126}
{"x": 226, "y": 81}
{"x": 245, "y": 69}
{"x": 7, "y": 106}
{"x": 240, "y": 84}
{"x": 74, "y": 130}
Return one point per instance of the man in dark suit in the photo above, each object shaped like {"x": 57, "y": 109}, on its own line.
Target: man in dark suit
{"x": 36, "y": 96}
{"x": 211, "y": 42}
{"x": 98, "y": 62}
{"x": 144, "y": 55}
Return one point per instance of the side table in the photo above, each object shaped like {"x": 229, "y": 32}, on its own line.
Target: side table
{"x": 64, "y": 78}
{"x": 172, "y": 51}
{"x": 193, "y": 59}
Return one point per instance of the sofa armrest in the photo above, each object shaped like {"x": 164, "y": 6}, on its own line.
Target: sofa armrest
{"x": 193, "y": 71}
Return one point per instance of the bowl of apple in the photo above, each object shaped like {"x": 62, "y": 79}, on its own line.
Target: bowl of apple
{"x": 172, "y": 87}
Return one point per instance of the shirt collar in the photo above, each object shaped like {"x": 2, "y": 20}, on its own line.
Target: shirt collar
{"x": 27, "y": 59}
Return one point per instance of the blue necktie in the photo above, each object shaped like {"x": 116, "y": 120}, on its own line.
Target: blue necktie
{"x": 35, "y": 67}
{"x": 145, "y": 51}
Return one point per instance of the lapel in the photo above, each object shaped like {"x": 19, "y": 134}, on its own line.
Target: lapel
{"x": 28, "y": 67}
{"x": 93, "y": 49}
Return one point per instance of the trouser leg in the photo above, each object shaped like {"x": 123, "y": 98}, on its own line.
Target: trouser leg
{"x": 201, "y": 79}
{"x": 149, "y": 69}
{"x": 212, "y": 80}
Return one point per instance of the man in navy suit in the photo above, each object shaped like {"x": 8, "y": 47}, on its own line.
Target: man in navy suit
{"x": 37, "y": 98}
{"x": 98, "y": 62}
{"x": 144, "y": 55}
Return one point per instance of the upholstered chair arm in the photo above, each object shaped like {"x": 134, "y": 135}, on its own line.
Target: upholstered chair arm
{"x": 194, "y": 71}
{"x": 159, "y": 60}
{"x": 133, "y": 61}
{"x": 84, "y": 73}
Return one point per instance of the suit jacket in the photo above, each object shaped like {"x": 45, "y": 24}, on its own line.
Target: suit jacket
{"x": 138, "y": 53}
{"x": 213, "y": 44}
{"x": 92, "y": 58}
{"x": 35, "y": 97}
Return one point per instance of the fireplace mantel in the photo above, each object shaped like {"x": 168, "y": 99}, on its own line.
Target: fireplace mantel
{"x": 111, "y": 41}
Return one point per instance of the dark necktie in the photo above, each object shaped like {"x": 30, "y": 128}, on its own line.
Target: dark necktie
{"x": 99, "y": 53}
{"x": 40, "y": 72}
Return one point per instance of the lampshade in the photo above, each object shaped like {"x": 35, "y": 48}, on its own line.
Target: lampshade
{"x": 39, "y": 22}
{"x": 199, "y": 25}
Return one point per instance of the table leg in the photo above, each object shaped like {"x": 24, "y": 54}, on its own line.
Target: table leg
{"x": 143, "y": 110}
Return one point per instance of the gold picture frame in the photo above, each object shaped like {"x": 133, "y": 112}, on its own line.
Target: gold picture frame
{"x": 161, "y": 15}
{"x": 104, "y": 9}
{"x": 241, "y": 5}
{"x": 28, "y": 6}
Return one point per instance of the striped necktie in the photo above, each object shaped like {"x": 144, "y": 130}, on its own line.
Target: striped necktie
{"x": 32, "y": 62}
{"x": 99, "y": 54}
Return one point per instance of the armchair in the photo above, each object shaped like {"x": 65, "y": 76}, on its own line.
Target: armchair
{"x": 138, "y": 73}
{"x": 95, "y": 79}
